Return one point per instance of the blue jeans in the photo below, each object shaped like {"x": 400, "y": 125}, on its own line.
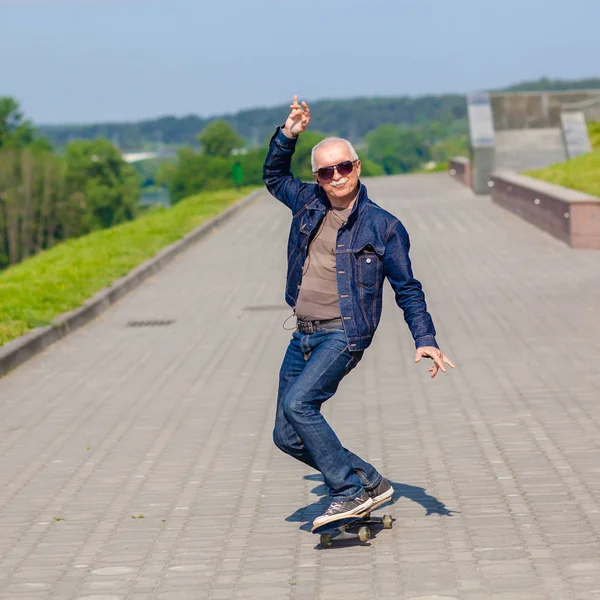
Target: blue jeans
{"x": 312, "y": 369}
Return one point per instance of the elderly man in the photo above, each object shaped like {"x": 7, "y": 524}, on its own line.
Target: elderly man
{"x": 341, "y": 248}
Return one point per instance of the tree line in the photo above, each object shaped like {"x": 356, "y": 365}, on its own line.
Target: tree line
{"x": 545, "y": 84}
{"x": 46, "y": 198}
{"x": 352, "y": 118}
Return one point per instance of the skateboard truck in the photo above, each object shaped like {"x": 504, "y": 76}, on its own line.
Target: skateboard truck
{"x": 358, "y": 528}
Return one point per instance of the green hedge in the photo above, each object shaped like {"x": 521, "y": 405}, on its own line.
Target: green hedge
{"x": 41, "y": 288}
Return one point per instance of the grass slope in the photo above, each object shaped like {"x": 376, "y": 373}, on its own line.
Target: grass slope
{"x": 41, "y": 288}
{"x": 581, "y": 173}
{"x": 594, "y": 131}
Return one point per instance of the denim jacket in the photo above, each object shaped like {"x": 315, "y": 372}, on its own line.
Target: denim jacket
{"x": 372, "y": 245}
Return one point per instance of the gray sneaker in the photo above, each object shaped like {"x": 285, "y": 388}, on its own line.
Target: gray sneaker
{"x": 344, "y": 509}
{"x": 382, "y": 492}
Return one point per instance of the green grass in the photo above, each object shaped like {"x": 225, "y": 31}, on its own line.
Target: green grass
{"x": 581, "y": 173}
{"x": 594, "y": 132}
{"x": 41, "y": 288}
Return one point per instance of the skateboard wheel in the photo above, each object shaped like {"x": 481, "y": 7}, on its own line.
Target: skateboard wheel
{"x": 364, "y": 534}
{"x": 326, "y": 540}
{"x": 387, "y": 521}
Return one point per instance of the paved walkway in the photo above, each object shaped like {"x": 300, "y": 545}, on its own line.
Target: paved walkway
{"x": 136, "y": 462}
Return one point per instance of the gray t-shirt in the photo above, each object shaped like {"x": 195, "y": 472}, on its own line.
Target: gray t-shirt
{"x": 318, "y": 297}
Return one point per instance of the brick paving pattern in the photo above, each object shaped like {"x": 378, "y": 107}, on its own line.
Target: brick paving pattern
{"x": 137, "y": 462}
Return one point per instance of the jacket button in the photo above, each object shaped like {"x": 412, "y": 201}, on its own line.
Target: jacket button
{"x": 368, "y": 261}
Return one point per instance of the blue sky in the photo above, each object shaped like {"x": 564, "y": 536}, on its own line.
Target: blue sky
{"x": 81, "y": 61}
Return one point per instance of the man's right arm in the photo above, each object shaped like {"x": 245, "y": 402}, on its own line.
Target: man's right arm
{"x": 277, "y": 175}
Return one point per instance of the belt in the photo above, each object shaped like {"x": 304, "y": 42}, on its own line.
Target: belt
{"x": 312, "y": 326}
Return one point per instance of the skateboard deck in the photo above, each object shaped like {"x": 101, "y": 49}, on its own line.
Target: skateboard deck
{"x": 354, "y": 527}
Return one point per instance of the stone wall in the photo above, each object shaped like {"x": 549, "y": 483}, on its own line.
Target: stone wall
{"x": 459, "y": 167}
{"x": 569, "y": 215}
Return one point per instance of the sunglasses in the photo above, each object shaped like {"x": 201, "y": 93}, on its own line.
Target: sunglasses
{"x": 343, "y": 168}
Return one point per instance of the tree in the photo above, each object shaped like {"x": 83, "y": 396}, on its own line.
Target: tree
{"x": 301, "y": 164}
{"x": 45, "y": 198}
{"x": 369, "y": 168}
{"x": 31, "y": 202}
{"x": 252, "y": 164}
{"x": 106, "y": 186}
{"x": 14, "y": 130}
{"x": 219, "y": 139}
{"x": 198, "y": 172}
{"x": 397, "y": 149}
{"x": 30, "y": 177}
{"x": 447, "y": 148}
{"x": 164, "y": 172}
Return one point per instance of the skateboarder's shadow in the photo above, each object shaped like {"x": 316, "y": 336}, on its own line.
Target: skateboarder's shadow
{"x": 308, "y": 513}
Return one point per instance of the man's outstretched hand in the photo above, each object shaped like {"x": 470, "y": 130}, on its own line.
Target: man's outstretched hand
{"x": 436, "y": 355}
{"x": 298, "y": 120}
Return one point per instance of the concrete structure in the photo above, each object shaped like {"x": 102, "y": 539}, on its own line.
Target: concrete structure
{"x": 137, "y": 462}
{"x": 575, "y": 133}
{"x": 590, "y": 108}
{"x": 482, "y": 141}
{"x": 523, "y": 149}
{"x": 526, "y": 131}
{"x": 515, "y": 111}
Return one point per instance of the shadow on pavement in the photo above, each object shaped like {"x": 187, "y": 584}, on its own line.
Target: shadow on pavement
{"x": 308, "y": 513}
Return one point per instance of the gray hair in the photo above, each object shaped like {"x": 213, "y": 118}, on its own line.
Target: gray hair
{"x": 328, "y": 141}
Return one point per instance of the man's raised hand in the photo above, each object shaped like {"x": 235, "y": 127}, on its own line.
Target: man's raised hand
{"x": 298, "y": 120}
{"x": 437, "y": 356}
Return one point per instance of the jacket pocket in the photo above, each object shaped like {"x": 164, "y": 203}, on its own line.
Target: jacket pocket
{"x": 368, "y": 260}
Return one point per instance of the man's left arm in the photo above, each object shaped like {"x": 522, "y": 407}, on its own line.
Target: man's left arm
{"x": 410, "y": 297}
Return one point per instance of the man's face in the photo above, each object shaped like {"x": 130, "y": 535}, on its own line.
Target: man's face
{"x": 339, "y": 187}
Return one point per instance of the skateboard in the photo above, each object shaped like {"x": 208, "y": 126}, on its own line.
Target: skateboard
{"x": 354, "y": 527}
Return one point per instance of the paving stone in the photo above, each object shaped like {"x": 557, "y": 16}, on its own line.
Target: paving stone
{"x": 517, "y": 596}
{"x": 100, "y": 597}
{"x": 433, "y": 598}
{"x": 501, "y": 554}
{"x": 107, "y": 584}
{"x": 513, "y": 583}
{"x": 497, "y": 568}
{"x": 224, "y": 594}
{"x": 29, "y": 587}
{"x": 183, "y": 595}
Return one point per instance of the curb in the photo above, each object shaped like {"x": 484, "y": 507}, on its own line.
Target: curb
{"x": 21, "y": 349}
